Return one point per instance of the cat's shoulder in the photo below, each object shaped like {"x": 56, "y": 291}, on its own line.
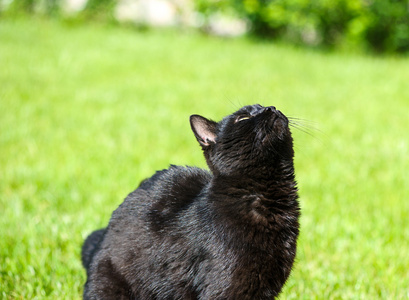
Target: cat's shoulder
{"x": 163, "y": 188}
{"x": 170, "y": 191}
{"x": 177, "y": 182}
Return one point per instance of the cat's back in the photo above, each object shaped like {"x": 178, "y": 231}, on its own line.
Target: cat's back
{"x": 177, "y": 181}
{"x": 166, "y": 192}
{"x": 154, "y": 218}
{"x": 155, "y": 208}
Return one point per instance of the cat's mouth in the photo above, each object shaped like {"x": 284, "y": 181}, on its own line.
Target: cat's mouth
{"x": 276, "y": 122}
{"x": 274, "y": 116}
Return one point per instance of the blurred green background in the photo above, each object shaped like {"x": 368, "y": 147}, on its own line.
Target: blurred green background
{"x": 90, "y": 107}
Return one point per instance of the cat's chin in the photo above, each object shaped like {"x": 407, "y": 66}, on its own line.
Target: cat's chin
{"x": 276, "y": 127}
{"x": 275, "y": 121}
{"x": 280, "y": 127}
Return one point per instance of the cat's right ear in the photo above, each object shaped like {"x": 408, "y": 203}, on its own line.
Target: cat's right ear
{"x": 204, "y": 130}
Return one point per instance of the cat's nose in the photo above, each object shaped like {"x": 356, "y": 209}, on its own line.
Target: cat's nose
{"x": 270, "y": 108}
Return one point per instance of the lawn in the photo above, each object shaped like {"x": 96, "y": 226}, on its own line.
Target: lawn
{"x": 87, "y": 112}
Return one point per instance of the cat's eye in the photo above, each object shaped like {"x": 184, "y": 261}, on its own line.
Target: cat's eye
{"x": 242, "y": 118}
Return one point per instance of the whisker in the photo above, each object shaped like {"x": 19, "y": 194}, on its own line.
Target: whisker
{"x": 234, "y": 104}
{"x": 304, "y": 123}
{"x": 305, "y": 126}
{"x": 303, "y": 130}
{"x": 301, "y": 120}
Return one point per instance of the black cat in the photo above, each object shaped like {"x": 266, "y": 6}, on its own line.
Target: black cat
{"x": 187, "y": 233}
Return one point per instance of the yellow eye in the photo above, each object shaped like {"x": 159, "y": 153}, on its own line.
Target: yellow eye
{"x": 242, "y": 118}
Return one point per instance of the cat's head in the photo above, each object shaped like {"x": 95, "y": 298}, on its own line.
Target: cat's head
{"x": 253, "y": 139}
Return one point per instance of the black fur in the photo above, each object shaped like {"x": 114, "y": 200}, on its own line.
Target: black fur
{"x": 91, "y": 246}
{"x": 187, "y": 233}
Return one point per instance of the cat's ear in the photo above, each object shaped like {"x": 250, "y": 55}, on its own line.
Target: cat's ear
{"x": 204, "y": 130}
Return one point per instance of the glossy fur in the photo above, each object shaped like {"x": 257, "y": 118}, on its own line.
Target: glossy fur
{"x": 187, "y": 233}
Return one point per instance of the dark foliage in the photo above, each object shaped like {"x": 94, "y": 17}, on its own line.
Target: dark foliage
{"x": 378, "y": 25}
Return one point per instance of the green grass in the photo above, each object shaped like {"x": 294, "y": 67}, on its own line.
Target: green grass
{"x": 87, "y": 112}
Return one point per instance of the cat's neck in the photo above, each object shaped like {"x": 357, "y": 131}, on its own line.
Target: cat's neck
{"x": 264, "y": 201}
{"x": 269, "y": 180}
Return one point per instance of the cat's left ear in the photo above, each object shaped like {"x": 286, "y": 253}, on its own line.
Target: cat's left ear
{"x": 204, "y": 130}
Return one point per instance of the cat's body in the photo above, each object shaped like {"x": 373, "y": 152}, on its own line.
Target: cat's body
{"x": 187, "y": 233}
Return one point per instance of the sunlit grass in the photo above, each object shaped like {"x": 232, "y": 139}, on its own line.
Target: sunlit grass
{"x": 87, "y": 112}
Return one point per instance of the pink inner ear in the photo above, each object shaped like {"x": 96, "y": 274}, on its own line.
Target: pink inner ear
{"x": 205, "y": 134}
{"x": 203, "y": 130}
